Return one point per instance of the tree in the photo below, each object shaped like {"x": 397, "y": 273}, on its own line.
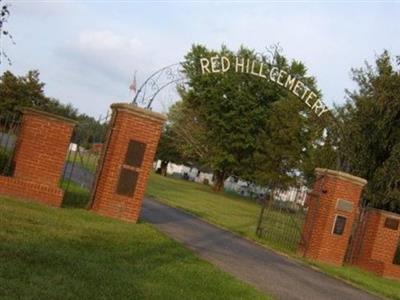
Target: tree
{"x": 239, "y": 124}
{"x": 17, "y": 92}
{"x": 283, "y": 151}
{"x": 167, "y": 150}
{"x": 22, "y": 91}
{"x": 363, "y": 137}
{"x": 370, "y": 139}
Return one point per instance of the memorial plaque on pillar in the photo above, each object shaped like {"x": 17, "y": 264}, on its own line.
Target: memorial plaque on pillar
{"x": 340, "y": 224}
{"x": 135, "y": 153}
{"x": 392, "y": 223}
{"x": 344, "y": 205}
{"x": 129, "y": 173}
{"x": 127, "y": 182}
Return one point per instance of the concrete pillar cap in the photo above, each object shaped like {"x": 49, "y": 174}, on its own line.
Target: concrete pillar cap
{"x": 133, "y": 109}
{"x": 34, "y": 111}
{"x": 341, "y": 175}
{"x": 383, "y": 212}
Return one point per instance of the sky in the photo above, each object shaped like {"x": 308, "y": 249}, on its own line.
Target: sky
{"x": 88, "y": 51}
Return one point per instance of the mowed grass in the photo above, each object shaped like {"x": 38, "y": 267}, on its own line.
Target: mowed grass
{"x": 389, "y": 288}
{"x": 85, "y": 160}
{"x": 240, "y": 215}
{"x": 75, "y": 195}
{"x": 237, "y": 213}
{"x": 50, "y": 253}
{"x": 231, "y": 211}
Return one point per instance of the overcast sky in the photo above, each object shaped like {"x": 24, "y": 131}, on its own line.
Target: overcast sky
{"x": 87, "y": 51}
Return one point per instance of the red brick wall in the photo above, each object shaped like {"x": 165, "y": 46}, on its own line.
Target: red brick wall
{"x": 378, "y": 245}
{"x": 320, "y": 242}
{"x": 42, "y": 147}
{"x": 22, "y": 189}
{"x": 40, "y": 154}
{"x": 128, "y": 123}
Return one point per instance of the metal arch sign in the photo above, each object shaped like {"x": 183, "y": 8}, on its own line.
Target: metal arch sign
{"x": 222, "y": 64}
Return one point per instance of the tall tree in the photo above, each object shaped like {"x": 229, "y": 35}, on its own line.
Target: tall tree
{"x": 28, "y": 91}
{"x": 168, "y": 150}
{"x": 244, "y": 121}
{"x": 21, "y": 91}
{"x": 18, "y": 92}
{"x": 371, "y": 137}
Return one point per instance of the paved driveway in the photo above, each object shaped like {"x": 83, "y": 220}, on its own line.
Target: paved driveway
{"x": 260, "y": 267}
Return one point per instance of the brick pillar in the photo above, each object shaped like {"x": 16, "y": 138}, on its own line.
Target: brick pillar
{"x": 333, "y": 207}
{"x": 126, "y": 161}
{"x": 378, "y": 243}
{"x": 40, "y": 153}
{"x": 42, "y": 147}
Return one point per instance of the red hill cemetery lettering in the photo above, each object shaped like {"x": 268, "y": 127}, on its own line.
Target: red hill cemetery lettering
{"x": 222, "y": 64}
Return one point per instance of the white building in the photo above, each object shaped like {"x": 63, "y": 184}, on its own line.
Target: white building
{"x": 192, "y": 172}
{"x": 241, "y": 187}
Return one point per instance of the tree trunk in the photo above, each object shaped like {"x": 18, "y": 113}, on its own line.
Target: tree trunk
{"x": 163, "y": 167}
{"x": 219, "y": 179}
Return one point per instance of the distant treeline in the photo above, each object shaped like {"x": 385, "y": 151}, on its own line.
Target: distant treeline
{"x": 17, "y": 92}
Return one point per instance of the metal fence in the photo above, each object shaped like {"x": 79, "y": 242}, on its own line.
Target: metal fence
{"x": 82, "y": 161}
{"x": 9, "y": 128}
{"x": 396, "y": 259}
{"x": 282, "y": 217}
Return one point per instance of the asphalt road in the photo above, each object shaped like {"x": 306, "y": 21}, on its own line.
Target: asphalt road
{"x": 260, "y": 267}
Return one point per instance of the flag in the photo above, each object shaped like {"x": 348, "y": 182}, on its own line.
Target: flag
{"x": 132, "y": 87}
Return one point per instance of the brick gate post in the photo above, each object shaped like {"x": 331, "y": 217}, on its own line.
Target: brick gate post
{"x": 126, "y": 161}
{"x": 332, "y": 208}
{"x": 40, "y": 154}
{"x": 379, "y": 242}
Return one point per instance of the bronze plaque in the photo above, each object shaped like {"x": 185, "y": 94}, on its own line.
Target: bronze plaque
{"x": 135, "y": 154}
{"x": 392, "y": 223}
{"x": 340, "y": 224}
{"x": 127, "y": 182}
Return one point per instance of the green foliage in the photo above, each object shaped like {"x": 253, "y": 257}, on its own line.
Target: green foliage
{"x": 243, "y": 125}
{"x": 187, "y": 133}
{"x": 324, "y": 151}
{"x": 369, "y": 135}
{"x": 6, "y": 164}
{"x": 75, "y": 195}
{"x": 17, "y": 92}
{"x": 167, "y": 149}
{"x": 89, "y": 131}
{"x": 363, "y": 135}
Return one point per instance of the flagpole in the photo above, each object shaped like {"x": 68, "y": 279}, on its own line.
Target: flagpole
{"x": 133, "y": 87}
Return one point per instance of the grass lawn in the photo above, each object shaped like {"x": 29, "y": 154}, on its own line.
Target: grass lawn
{"x": 49, "y": 253}
{"x": 76, "y": 195}
{"x": 363, "y": 279}
{"x": 240, "y": 215}
{"x": 5, "y": 161}
{"x": 231, "y": 211}
{"x": 86, "y": 160}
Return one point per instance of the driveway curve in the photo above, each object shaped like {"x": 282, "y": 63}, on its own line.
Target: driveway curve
{"x": 262, "y": 268}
